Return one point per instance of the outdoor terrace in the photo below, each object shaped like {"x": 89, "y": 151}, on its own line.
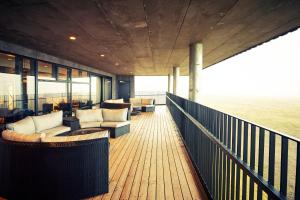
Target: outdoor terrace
{"x": 151, "y": 162}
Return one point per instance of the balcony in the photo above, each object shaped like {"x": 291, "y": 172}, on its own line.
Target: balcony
{"x": 151, "y": 162}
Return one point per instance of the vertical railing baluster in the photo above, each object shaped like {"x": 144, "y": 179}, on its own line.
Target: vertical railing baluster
{"x": 261, "y": 159}
{"x": 252, "y": 159}
{"x": 297, "y": 186}
{"x": 271, "y": 160}
{"x": 245, "y": 159}
{"x": 284, "y": 165}
{"x": 238, "y": 171}
{"x": 228, "y": 160}
{"x": 233, "y": 147}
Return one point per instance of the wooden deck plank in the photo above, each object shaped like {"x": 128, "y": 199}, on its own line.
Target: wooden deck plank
{"x": 151, "y": 162}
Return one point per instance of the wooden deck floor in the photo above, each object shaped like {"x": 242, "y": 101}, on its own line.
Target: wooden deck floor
{"x": 151, "y": 162}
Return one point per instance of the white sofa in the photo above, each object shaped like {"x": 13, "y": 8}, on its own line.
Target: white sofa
{"x": 33, "y": 126}
{"x": 114, "y": 101}
{"x": 146, "y": 105}
{"x": 116, "y": 120}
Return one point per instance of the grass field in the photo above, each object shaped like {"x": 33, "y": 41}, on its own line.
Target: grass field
{"x": 282, "y": 115}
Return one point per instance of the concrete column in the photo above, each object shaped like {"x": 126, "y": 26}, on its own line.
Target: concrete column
{"x": 176, "y": 74}
{"x": 169, "y": 83}
{"x": 195, "y": 68}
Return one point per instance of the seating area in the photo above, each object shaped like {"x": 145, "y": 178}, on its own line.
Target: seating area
{"x": 143, "y": 104}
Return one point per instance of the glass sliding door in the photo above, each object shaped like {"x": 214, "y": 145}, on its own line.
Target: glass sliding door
{"x": 80, "y": 87}
{"x": 107, "y": 93}
{"x": 28, "y": 84}
{"x": 10, "y": 87}
{"x": 52, "y": 85}
{"x": 95, "y": 89}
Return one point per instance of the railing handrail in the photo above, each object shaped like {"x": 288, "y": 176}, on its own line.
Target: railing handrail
{"x": 258, "y": 180}
{"x": 251, "y": 122}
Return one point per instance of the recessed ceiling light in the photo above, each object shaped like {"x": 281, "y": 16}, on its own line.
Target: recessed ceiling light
{"x": 116, "y": 63}
{"x": 72, "y": 38}
{"x": 9, "y": 59}
{"x": 102, "y": 55}
{"x": 9, "y": 55}
{"x": 45, "y": 66}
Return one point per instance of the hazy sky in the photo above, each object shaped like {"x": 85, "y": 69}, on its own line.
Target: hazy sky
{"x": 271, "y": 69}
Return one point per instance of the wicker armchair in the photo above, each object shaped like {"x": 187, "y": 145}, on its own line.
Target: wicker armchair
{"x": 68, "y": 170}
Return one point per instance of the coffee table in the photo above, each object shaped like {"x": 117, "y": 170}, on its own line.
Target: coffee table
{"x": 86, "y": 131}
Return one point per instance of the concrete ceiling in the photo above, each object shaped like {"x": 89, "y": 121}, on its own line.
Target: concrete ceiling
{"x": 144, "y": 37}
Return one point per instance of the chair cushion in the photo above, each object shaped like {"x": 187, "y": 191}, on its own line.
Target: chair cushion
{"x": 89, "y": 124}
{"x": 148, "y": 106}
{"x": 136, "y": 101}
{"x": 147, "y": 102}
{"x": 56, "y": 131}
{"x": 114, "y": 124}
{"x": 114, "y": 101}
{"x": 115, "y": 115}
{"x": 48, "y": 121}
{"x": 25, "y": 126}
{"x": 74, "y": 138}
{"x": 20, "y": 137}
{"x": 89, "y": 115}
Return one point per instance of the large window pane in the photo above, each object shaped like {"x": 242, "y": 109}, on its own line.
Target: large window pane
{"x": 62, "y": 73}
{"x": 107, "y": 94}
{"x": 28, "y": 84}
{"x": 95, "y": 89}
{"x": 7, "y": 63}
{"x": 51, "y": 92}
{"x": 45, "y": 71}
{"x": 80, "y": 76}
{"x": 10, "y": 87}
{"x": 80, "y": 92}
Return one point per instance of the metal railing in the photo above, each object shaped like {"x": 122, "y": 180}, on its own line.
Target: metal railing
{"x": 235, "y": 158}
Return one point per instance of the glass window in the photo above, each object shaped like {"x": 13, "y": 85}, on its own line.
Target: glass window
{"x": 45, "y": 71}
{"x": 107, "y": 89}
{"x": 80, "y": 76}
{"x": 28, "y": 84}
{"x": 7, "y": 63}
{"x": 80, "y": 92}
{"x": 95, "y": 89}
{"x": 62, "y": 73}
{"x": 51, "y": 92}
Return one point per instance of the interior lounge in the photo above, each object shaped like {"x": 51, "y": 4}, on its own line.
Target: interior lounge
{"x": 73, "y": 125}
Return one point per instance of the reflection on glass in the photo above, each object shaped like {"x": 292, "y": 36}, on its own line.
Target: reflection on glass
{"x": 62, "y": 73}
{"x": 80, "y": 76}
{"x": 10, "y": 91}
{"x": 7, "y": 63}
{"x": 80, "y": 92}
{"x": 107, "y": 89}
{"x": 51, "y": 92}
{"x": 28, "y": 85}
{"x": 45, "y": 71}
{"x": 95, "y": 89}
{"x": 10, "y": 87}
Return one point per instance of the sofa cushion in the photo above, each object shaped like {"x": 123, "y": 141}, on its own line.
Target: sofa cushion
{"x": 90, "y": 115}
{"x": 21, "y": 137}
{"x": 56, "y": 131}
{"x": 90, "y": 124}
{"x": 115, "y": 115}
{"x": 48, "y": 121}
{"x": 114, "y": 101}
{"x": 147, "y": 102}
{"x": 136, "y": 101}
{"x": 25, "y": 126}
{"x": 114, "y": 124}
{"x": 74, "y": 138}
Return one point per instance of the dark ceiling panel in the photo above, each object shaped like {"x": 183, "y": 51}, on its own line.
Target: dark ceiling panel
{"x": 146, "y": 37}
